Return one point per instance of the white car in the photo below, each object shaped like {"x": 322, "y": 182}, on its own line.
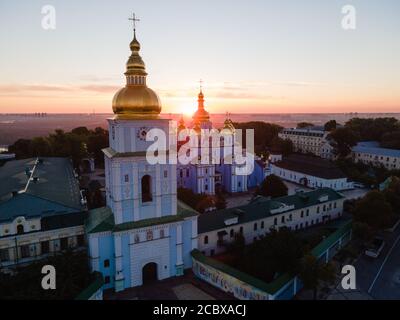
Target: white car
{"x": 375, "y": 247}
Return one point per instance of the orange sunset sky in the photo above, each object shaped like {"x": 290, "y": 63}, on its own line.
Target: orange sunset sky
{"x": 263, "y": 57}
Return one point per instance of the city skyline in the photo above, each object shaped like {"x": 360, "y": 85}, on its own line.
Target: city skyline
{"x": 270, "y": 57}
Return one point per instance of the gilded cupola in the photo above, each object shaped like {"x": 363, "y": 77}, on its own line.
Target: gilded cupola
{"x": 136, "y": 100}
{"x": 201, "y": 115}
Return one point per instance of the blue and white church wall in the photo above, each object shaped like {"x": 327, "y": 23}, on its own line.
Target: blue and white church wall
{"x": 121, "y": 256}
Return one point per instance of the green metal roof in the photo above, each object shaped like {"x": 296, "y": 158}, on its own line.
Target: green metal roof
{"x": 92, "y": 288}
{"x": 111, "y": 153}
{"x": 261, "y": 208}
{"x": 342, "y": 227}
{"x": 99, "y": 220}
{"x": 102, "y": 219}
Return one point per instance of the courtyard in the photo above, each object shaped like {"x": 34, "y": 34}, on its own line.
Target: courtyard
{"x": 187, "y": 287}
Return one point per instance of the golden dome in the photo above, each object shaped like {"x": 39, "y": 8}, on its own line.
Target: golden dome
{"x": 201, "y": 115}
{"x": 181, "y": 125}
{"x": 136, "y": 100}
{"x": 228, "y": 125}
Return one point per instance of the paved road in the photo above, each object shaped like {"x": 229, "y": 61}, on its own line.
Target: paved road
{"x": 381, "y": 276}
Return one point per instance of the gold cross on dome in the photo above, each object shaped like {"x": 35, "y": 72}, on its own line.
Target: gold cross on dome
{"x": 134, "y": 20}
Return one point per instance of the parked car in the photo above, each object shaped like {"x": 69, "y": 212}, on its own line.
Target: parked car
{"x": 375, "y": 247}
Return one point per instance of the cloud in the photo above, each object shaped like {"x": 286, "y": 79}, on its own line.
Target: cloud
{"x": 40, "y": 90}
{"x": 94, "y": 78}
{"x": 100, "y": 88}
{"x": 21, "y": 88}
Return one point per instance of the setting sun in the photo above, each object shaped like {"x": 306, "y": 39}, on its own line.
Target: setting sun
{"x": 187, "y": 108}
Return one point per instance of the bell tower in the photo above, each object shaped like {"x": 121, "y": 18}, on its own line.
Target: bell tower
{"x": 135, "y": 189}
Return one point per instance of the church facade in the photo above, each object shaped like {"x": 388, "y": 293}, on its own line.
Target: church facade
{"x": 144, "y": 233}
{"x": 211, "y": 178}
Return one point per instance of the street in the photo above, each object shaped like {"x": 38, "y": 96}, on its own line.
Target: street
{"x": 380, "y": 277}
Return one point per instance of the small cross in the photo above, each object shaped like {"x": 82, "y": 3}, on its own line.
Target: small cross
{"x": 134, "y": 20}
{"x": 201, "y": 85}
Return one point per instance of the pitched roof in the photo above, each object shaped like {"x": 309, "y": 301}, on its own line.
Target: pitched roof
{"x": 31, "y": 206}
{"x": 55, "y": 180}
{"x": 41, "y": 188}
{"x": 372, "y": 147}
{"x": 313, "y": 166}
{"x": 102, "y": 219}
{"x": 262, "y": 207}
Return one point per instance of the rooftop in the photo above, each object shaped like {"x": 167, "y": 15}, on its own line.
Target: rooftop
{"x": 262, "y": 207}
{"x": 312, "y": 130}
{"x": 102, "y": 219}
{"x": 313, "y": 166}
{"x": 41, "y": 188}
{"x": 372, "y": 147}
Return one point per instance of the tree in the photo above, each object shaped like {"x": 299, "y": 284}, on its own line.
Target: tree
{"x": 330, "y": 125}
{"x": 220, "y": 202}
{"x": 96, "y": 141}
{"x": 264, "y": 133}
{"x": 72, "y": 274}
{"x": 205, "y": 203}
{"x": 81, "y": 131}
{"x": 343, "y": 140}
{"x": 391, "y": 140}
{"x": 373, "y": 129}
{"x": 392, "y": 194}
{"x": 283, "y": 146}
{"x": 21, "y": 148}
{"x": 373, "y": 210}
{"x": 199, "y": 202}
{"x": 303, "y": 125}
{"x": 362, "y": 231}
{"x": 314, "y": 273}
{"x": 40, "y": 147}
{"x": 276, "y": 252}
{"x": 237, "y": 246}
{"x": 273, "y": 187}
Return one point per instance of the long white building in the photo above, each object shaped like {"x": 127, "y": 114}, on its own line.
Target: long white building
{"x": 217, "y": 229}
{"x": 309, "y": 140}
{"x": 370, "y": 153}
{"x": 310, "y": 171}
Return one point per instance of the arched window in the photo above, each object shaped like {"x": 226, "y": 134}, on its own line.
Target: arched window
{"x": 241, "y": 230}
{"x": 232, "y": 233}
{"x": 262, "y": 224}
{"x": 255, "y": 226}
{"x": 146, "y": 189}
{"x": 206, "y": 240}
{"x": 20, "y": 229}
